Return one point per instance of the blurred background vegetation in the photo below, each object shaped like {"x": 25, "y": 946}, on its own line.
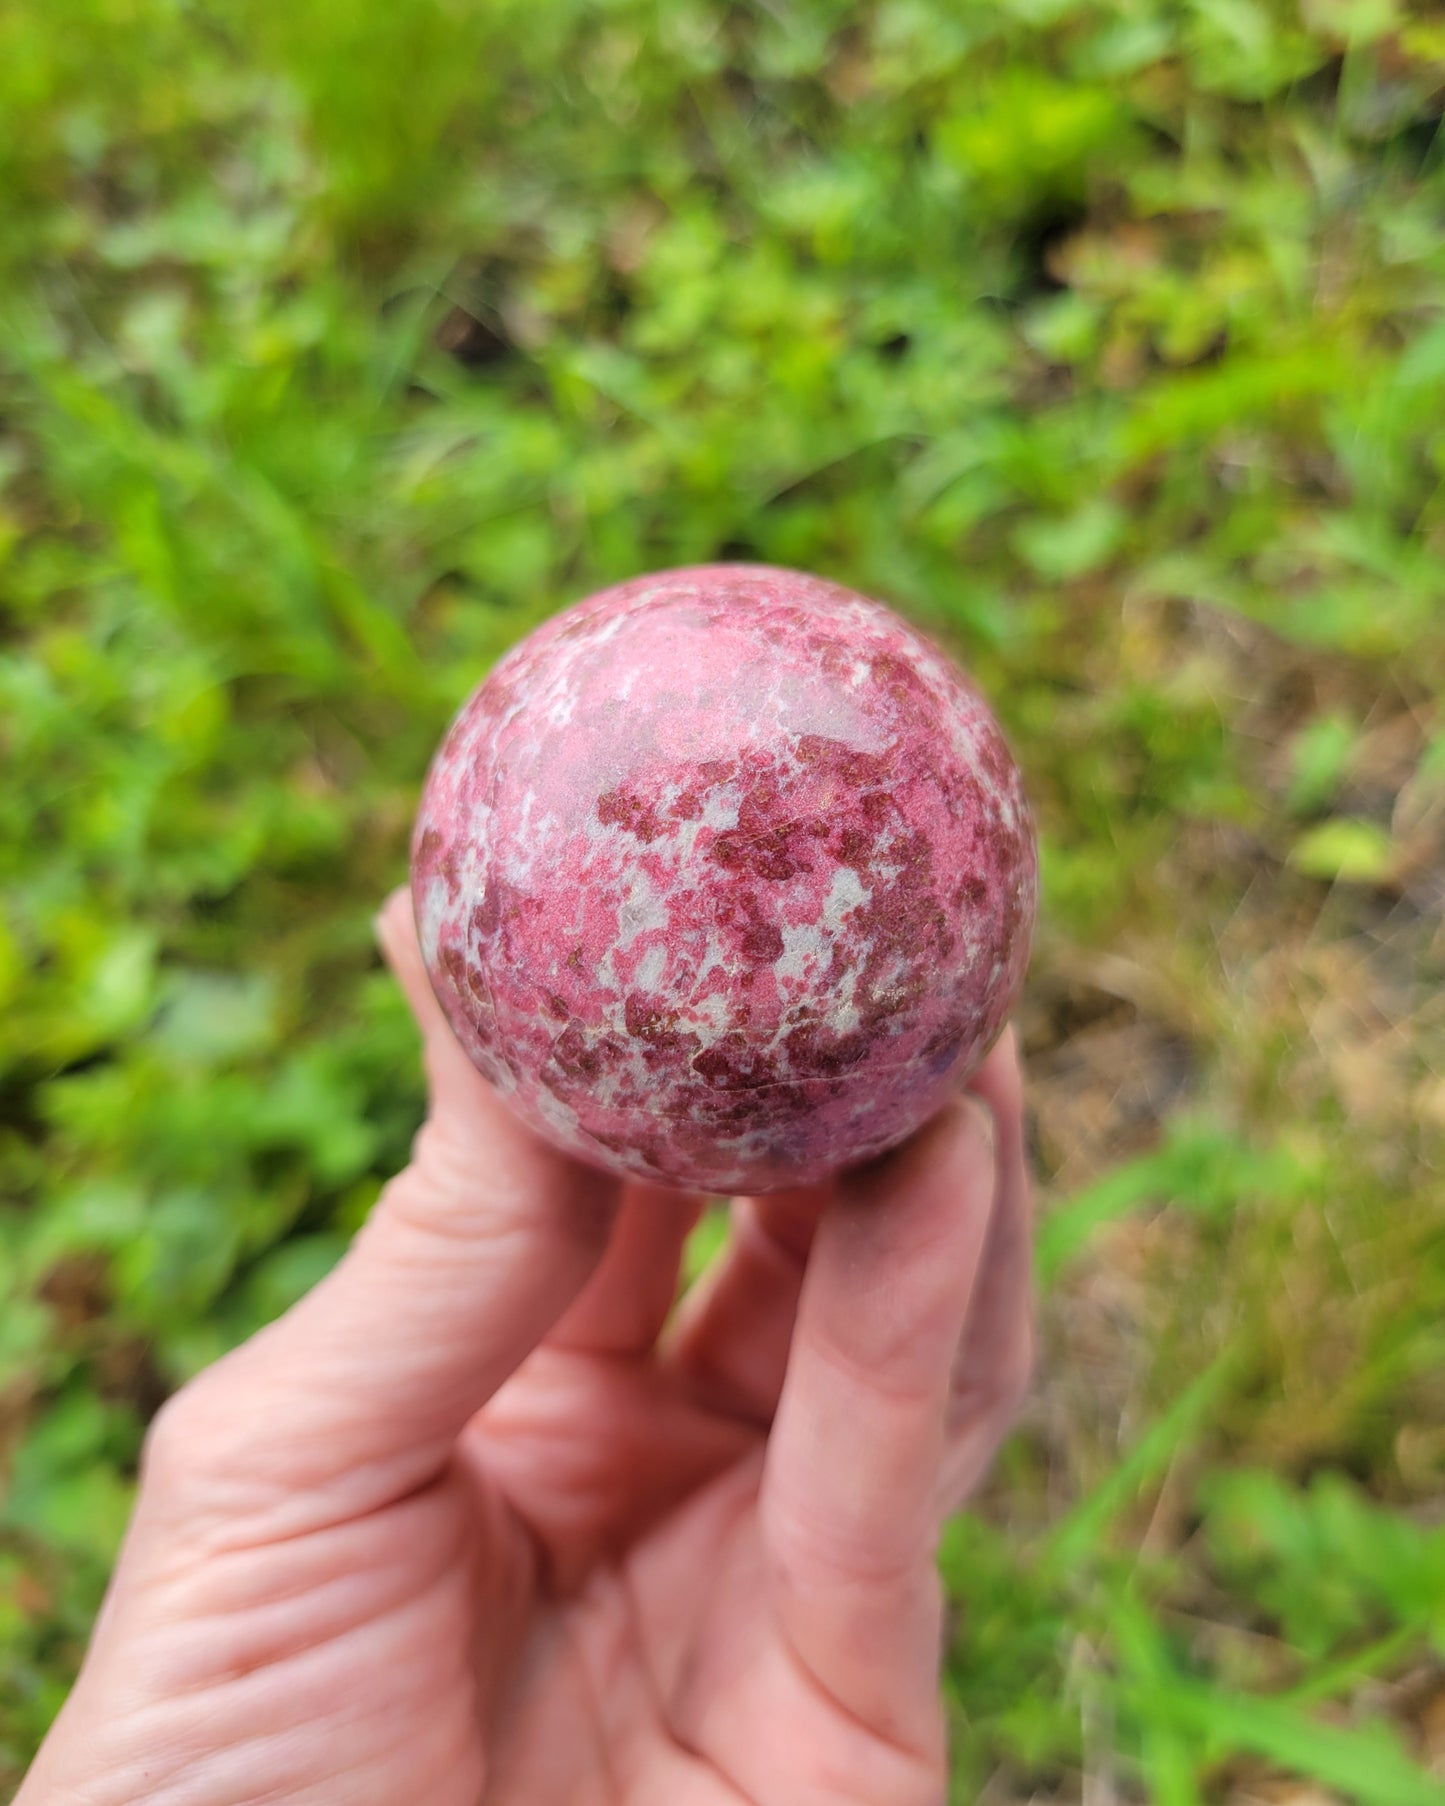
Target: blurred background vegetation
{"x": 339, "y": 344}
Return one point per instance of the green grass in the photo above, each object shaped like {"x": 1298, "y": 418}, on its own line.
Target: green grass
{"x": 338, "y": 345}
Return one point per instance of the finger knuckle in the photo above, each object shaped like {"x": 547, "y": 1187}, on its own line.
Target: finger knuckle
{"x": 187, "y": 1436}
{"x": 816, "y": 1547}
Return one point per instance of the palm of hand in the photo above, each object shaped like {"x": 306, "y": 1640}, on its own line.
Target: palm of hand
{"x": 666, "y": 1674}
{"x": 565, "y": 1634}
{"x": 694, "y": 1570}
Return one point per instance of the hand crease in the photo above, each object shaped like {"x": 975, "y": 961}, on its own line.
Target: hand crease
{"x": 812, "y": 1679}
{"x": 592, "y": 1697}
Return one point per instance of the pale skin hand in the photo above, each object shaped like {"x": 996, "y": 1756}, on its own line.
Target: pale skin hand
{"x": 476, "y": 1522}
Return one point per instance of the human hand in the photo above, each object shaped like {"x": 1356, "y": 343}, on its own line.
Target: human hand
{"x": 481, "y": 1519}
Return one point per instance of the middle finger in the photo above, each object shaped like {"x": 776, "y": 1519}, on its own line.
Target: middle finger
{"x": 729, "y": 1344}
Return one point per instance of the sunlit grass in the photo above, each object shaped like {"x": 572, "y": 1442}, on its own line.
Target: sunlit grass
{"x": 338, "y": 345}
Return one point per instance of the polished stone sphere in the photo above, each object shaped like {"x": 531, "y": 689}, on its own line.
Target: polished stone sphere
{"x": 725, "y": 879}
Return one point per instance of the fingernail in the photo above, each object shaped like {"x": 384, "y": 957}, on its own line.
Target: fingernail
{"x": 976, "y": 1112}
{"x": 962, "y": 1114}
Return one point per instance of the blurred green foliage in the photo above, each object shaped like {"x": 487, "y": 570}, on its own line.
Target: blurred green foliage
{"x": 338, "y": 345}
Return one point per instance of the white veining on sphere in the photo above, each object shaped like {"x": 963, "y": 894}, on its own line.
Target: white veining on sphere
{"x": 803, "y": 945}
{"x": 710, "y": 1017}
{"x": 642, "y": 909}
{"x": 431, "y": 915}
{"x": 720, "y": 808}
{"x": 653, "y": 964}
{"x": 845, "y": 893}
{"x": 561, "y": 1117}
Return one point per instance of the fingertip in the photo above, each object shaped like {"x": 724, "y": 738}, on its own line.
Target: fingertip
{"x": 972, "y": 1120}
{"x": 463, "y": 1101}
{"x": 1001, "y": 1060}
{"x": 964, "y": 1125}
{"x": 999, "y": 1081}
{"x": 963, "y": 1135}
{"x": 393, "y": 924}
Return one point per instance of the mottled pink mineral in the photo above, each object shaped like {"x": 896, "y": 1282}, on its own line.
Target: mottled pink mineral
{"x": 725, "y": 878}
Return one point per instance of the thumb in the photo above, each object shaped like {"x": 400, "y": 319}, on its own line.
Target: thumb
{"x": 356, "y": 1396}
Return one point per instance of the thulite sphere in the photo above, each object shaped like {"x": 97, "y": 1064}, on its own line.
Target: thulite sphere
{"x": 725, "y": 878}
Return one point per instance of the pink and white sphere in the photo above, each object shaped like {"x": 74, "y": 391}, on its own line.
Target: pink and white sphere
{"x": 725, "y": 879}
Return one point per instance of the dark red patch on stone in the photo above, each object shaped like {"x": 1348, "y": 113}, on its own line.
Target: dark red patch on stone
{"x": 763, "y": 941}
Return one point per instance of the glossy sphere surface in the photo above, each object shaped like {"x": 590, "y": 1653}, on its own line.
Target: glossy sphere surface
{"x": 724, "y": 878}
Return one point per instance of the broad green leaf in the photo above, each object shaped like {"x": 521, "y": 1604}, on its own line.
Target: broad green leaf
{"x": 1318, "y": 760}
{"x": 1062, "y": 549}
{"x": 1345, "y": 849}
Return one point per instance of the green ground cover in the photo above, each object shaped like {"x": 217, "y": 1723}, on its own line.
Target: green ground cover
{"x": 339, "y": 344}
